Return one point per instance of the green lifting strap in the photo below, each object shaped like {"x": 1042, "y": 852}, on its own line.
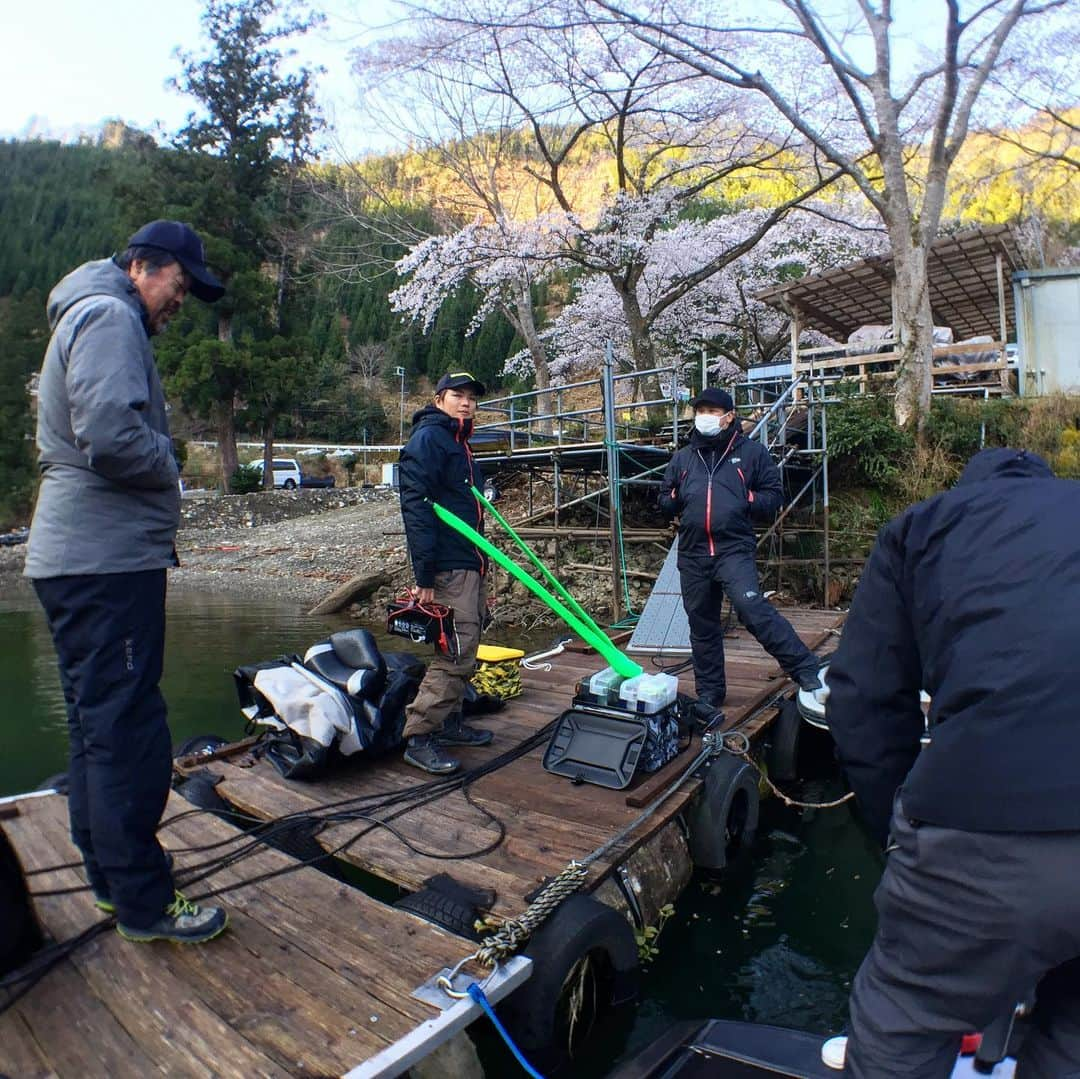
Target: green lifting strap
{"x": 600, "y": 641}
{"x": 531, "y": 555}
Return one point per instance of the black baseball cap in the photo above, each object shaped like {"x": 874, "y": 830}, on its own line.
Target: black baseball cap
{"x": 456, "y": 380}
{"x": 713, "y": 395}
{"x": 182, "y": 242}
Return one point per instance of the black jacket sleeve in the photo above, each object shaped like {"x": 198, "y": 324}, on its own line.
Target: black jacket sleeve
{"x": 419, "y": 487}
{"x": 766, "y": 487}
{"x": 669, "y": 487}
{"x": 874, "y": 682}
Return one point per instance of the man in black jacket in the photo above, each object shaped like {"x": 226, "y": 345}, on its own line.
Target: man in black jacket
{"x": 716, "y": 486}
{"x": 974, "y": 597}
{"x": 437, "y": 466}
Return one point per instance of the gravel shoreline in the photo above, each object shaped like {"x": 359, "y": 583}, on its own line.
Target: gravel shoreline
{"x": 293, "y": 547}
{"x": 297, "y": 547}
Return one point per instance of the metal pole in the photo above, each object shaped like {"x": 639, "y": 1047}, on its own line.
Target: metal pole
{"x": 704, "y": 368}
{"x": 364, "y": 480}
{"x": 401, "y": 420}
{"x": 675, "y": 406}
{"x": 613, "y": 480}
{"x": 1003, "y": 322}
{"x": 825, "y": 486}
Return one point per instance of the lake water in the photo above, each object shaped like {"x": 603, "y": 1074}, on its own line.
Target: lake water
{"x": 776, "y": 937}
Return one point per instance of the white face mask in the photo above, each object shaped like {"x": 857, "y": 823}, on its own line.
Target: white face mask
{"x": 707, "y": 424}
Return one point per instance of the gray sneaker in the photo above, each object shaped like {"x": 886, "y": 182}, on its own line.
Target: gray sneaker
{"x": 183, "y": 922}
{"x": 455, "y": 732}
{"x": 422, "y": 752}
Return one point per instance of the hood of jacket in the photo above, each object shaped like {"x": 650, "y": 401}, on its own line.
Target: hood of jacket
{"x": 99, "y": 278}
{"x": 432, "y": 414}
{"x": 1004, "y": 463}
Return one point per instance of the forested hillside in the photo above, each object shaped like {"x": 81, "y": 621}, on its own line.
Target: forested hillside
{"x": 590, "y": 189}
{"x": 61, "y": 205}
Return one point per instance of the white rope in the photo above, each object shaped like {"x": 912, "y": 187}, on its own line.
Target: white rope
{"x": 530, "y": 662}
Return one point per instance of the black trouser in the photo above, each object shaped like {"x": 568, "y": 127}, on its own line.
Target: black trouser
{"x": 109, "y": 633}
{"x": 969, "y": 923}
{"x": 704, "y": 582}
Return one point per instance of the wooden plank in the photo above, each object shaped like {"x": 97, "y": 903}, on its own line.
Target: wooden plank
{"x": 179, "y": 1033}
{"x": 313, "y": 974}
{"x": 330, "y": 938}
{"x": 20, "y": 1054}
{"x": 72, "y": 1032}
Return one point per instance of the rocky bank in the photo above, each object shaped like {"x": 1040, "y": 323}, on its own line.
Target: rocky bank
{"x": 298, "y": 546}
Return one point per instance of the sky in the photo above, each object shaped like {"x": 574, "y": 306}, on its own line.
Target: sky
{"x": 68, "y": 65}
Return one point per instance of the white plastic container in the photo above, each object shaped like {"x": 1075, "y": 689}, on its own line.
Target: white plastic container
{"x": 604, "y": 686}
{"x": 628, "y": 692}
{"x": 648, "y": 693}
{"x": 656, "y": 692}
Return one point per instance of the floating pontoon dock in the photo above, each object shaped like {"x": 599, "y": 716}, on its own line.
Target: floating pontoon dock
{"x": 315, "y": 977}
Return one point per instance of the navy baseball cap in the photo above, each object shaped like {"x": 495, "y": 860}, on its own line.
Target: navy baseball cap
{"x": 456, "y": 380}
{"x": 182, "y": 242}
{"x": 714, "y": 396}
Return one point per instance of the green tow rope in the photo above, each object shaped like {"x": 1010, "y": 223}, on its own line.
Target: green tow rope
{"x": 600, "y": 641}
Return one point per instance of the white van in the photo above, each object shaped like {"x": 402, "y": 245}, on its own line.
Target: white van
{"x": 286, "y": 471}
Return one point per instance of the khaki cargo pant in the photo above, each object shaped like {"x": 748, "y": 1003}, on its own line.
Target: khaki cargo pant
{"x": 465, "y": 591}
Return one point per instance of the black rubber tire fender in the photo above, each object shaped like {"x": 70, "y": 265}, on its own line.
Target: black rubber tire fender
{"x": 724, "y": 817}
{"x": 199, "y": 791}
{"x": 580, "y": 927}
{"x": 443, "y": 910}
{"x": 785, "y": 737}
{"x": 200, "y": 745}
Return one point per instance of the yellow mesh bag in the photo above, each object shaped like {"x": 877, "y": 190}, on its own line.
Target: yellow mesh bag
{"x": 497, "y": 671}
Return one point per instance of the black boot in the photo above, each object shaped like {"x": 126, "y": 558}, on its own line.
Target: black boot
{"x": 713, "y": 697}
{"x": 422, "y": 752}
{"x": 455, "y": 732}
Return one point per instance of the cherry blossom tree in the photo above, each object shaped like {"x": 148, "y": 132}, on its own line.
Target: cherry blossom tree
{"x": 720, "y": 312}
{"x": 576, "y": 100}
{"x": 838, "y": 78}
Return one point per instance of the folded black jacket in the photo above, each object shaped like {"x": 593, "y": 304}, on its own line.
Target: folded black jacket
{"x": 974, "y": 596}
{"x": 717, "y": 487}
{"x": 436, "y": 465}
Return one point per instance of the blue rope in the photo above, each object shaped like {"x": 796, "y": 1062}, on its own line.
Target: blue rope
{"x": 477, "y": 994}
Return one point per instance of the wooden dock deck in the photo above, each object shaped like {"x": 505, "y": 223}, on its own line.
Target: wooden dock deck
{"x": 549, "y": 820}
{"x": 312, "y": 978}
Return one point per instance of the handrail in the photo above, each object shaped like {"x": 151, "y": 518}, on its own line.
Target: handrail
{"x": 792, "y": 387}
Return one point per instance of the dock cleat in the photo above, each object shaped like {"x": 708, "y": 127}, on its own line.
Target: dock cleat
{"x": 182, "y": 922}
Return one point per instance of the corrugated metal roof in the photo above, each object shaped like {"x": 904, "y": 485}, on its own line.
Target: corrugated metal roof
{"x": 963, "y": 288}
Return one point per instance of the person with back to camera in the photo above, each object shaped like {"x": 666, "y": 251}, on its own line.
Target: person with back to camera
{"x": 974, "y": 597}
{"x": 437, "y": 466}
{"x": 100, "y": 543}
{"x": 716, "y": 487}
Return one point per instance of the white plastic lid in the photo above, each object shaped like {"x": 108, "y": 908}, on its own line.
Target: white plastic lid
{"x": 833, "y": 1052}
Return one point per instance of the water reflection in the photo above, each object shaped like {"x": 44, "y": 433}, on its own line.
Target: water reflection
{"x": 207, "y": 637}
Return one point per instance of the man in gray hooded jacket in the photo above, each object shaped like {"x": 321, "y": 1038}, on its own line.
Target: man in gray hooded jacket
{"x": 100, "y": 543}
